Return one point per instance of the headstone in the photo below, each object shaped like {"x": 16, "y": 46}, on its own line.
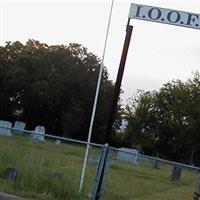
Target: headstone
{"x": 156, "y": 164}
{"x": 57, "y": 141}
{"x": 128, "y": 155}
{"x": 18, "y": 125}
{"x": 40, "y": 130}
{"x": 5, "y": 131}
{"x": 10, "y": 174}
{"x": 176, "y": 173}
{"x": 58, "y": 174}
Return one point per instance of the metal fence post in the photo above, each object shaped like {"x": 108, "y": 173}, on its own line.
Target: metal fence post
{"x": 197, "y": 192}
{"x": 97, "y": 191}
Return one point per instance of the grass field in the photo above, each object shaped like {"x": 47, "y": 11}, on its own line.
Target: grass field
{"x": 47, "y": 171}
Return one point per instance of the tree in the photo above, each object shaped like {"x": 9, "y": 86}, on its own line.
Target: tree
{"x": 53, "y": 86}
{"x": 140, "y": 130}
{"x": 168, "y": 120}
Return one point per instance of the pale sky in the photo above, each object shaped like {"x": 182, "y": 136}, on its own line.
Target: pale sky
{"x": 158, "y": 52}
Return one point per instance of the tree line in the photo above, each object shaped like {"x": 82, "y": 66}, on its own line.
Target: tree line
{"x": 166, "y": 123}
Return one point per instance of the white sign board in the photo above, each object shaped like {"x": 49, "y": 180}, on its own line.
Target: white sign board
{"x": 166, "y": 16}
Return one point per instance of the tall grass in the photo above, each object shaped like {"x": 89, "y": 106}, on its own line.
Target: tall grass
{"x": 51, "y": 172}
{"x": 142, "y": 182}
{"x": 38, "y": 167}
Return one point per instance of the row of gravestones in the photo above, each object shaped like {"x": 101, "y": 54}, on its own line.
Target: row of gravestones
{"x": 6, "y": 129}
{"x": 123, "y": 155}
{"x": 132, "y": 156}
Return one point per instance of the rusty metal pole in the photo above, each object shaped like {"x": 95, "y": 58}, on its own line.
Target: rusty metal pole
{"x": 116, "y": 93}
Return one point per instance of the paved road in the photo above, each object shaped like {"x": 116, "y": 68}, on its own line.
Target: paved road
{"x": 4, "y": 196}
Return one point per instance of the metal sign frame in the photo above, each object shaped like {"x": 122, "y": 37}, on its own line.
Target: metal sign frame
{"x": 153, "y": 14}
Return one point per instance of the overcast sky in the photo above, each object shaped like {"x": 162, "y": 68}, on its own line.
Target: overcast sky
{"x": 158, "y": 52}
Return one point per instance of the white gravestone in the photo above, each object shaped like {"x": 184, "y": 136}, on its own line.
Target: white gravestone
{"x": 5, "y": 131}
{"x": 41, "y": 130}
{"x": 19, "y": 125}
{"x": 57, "y": 141}
{"x": 128, "y": 155}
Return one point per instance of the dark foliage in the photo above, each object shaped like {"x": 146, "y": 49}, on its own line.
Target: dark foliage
{"x": 167, "y": 122}
{"x": 53, "y": 86}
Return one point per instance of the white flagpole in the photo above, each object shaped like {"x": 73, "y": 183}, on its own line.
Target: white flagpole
{"x": 95, "y": 102}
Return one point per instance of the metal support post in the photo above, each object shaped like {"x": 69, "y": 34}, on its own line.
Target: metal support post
{"x": 97, "y": 191}
{"x": 115, "y": 98}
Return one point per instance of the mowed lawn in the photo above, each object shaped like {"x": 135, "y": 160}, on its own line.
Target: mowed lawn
{"x": 47, "y": 171}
